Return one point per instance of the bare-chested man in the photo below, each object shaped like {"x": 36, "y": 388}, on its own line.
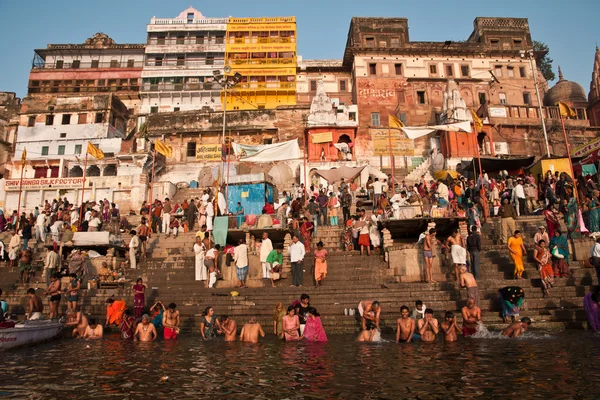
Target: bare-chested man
{"x": 467, "y": 280}
{"x": 371, "y": 334}
{"x": 250, "y": 331}
{"x": 54, "y": 292}
{"x": 35, "y": 305}
{"x": 456, "y": 243}
{"x": 517, "y": 328}
{"x": 370, "y": 311}
{"x": 228, "y": 328}
{"x": 94, "y": 330}
{"x": 429, "y": 253}
{"x": 471, "y": 316}
{"x": 449, "y": 327}
{"x": 145, "y": 332}
{"x": 171, "y": 322}
{"x": 428, "y": 326}
{"x": 79, "y": 321}
{"x": 405, "y": 328}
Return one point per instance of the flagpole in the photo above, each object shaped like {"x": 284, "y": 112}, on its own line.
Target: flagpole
{"x": 562, "y": 121}
{"x": 83, "y": 188}
{"x": 228, "y": 166}
{"x": 391, "y": 160}
{"x": 20, "y": 191}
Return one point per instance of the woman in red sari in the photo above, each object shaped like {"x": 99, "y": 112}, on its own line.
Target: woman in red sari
{"x": 139, "y": 300}
{"x": 542, "y": 258}
{"x": 551, "y": 220}
{"x": 126, "y": 327}
{"x": 306, "y": 231}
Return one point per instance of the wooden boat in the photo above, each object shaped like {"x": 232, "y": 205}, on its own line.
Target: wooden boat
{"x": 28, "y": 333}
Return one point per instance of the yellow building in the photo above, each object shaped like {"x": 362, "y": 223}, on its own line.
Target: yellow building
{"x": 263, "y": 51}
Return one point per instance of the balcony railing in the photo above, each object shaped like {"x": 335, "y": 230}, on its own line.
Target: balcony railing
{"x": 183, "y": 63}
{"x": 176, "y": 87}
{"x": 186, "y": 41}
{"x": 85, "y": 65}
{"x": 528, "y": 112}
{"x": 82, "y": 89}
{"x": 265, "y": 40}
{"x": 266, "y": 85}
{"x": 262, "y": 61}
{"x": 177, "y": 21}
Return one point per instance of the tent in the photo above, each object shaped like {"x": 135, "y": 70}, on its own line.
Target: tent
{"x": 335, "y": 175}
{"x": 514, "y": 166}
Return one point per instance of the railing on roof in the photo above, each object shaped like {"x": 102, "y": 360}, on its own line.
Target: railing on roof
{"x": 528, "y": 112}
{"x": 83, "y": 65}
{"x": 177, "y": 21}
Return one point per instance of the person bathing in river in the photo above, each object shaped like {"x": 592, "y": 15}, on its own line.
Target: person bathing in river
{"x": 171, "y": 322}
{"x": 517, "y": 328}
{"x": 228, "y": 328}
{"x": 145, "y": 332}
{"x": 405, "y": 327}
{"x": 449, "y": 327}
{"x": 79, "y": 321}
{"x": 471, "y": 317}
{"x": 251, "y": 331}
{"x": 370, "y": 334}
{"x": 369, "y": 311}
{"x": 93, "y": 330}
{"x": 428, "y": 326}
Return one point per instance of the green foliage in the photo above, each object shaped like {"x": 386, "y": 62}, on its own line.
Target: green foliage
{"x": 544, "y": 63}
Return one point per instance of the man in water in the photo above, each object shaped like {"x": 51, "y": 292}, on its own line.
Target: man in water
{"x": 171, "y": 322}
{"x": 369, "y": 310}
{"x": 250, "y": 331}
{"x": 517, "y": 328}
{"x": 93, "y": 330}
{"x": 228, "y": 328}
{"x": 35, "y": 305}
{"x": 145, "y": 332}
{"x": 370, "y": 334}
{"x": 428, "y": 326}
{"x": 468, "y": 280}
{"x": 405, "y": 326}
{"x": 471, "y": 316}
{"x": 79, "y": 321}
{"x": 449, "y": 327}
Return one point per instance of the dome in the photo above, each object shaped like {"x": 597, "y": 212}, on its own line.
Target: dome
{"x": 566, "y": 91}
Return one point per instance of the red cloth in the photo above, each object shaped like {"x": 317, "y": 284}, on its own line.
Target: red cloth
{"x": 468, "y": 331}
{"x": 170, "y": 333}
{"x": 363, "y": 240}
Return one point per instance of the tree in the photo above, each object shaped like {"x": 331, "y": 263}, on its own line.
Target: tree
{"x": 544, "y": 62}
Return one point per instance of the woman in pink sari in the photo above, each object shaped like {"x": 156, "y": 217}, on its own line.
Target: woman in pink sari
{"x": 291, "y": 325}
{"x": 551, "y": 220}
{"x": 313, "y": 330}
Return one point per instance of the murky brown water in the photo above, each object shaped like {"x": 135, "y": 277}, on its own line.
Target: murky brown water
{"x": 561, "y": 365}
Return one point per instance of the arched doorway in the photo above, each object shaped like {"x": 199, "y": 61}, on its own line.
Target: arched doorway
{"x": 76, "y": 172}
{"x": 344, "y": 145}
{"x": 93, "y": 170}
{"x": 110, "y": 170}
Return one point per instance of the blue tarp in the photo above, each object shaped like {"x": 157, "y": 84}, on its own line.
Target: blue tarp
{"x": 251, "y": 195}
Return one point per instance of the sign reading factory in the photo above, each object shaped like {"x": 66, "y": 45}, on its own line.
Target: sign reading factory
{"x": 44, "y": 183}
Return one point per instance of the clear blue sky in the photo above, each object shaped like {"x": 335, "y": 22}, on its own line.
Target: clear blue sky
{"x": 570, "y": 28}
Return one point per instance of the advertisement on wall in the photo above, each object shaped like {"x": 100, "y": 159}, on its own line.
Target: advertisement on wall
{"x": 401, "y": 146}
{"x": 43, "y": 183}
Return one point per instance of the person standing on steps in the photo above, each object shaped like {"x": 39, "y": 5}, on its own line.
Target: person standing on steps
{"x": 200, "y": 268}
{"x": 508, "y": 214}
{"x": 275, "y": 261}
{"x": 320, "y": 266}
{"x": 134, "y": 244}
{"x": 323, "y": 200}
{"x": 363, "y": 239}
{"x": 467, "y": 280}
{"x": 297, "y": 252}
{"x": 143, "y": 235}
{"x": 190, "y": 215}
{"x": 240, "y": 256}
{"x": 429, "y": 252}
{"x": 36, "y": 307}
{"x": 265, "y": 249}
{"x": 517, "y": 250}
{"x": 166, "y": 217}
{"x": 474, "y": 249}
{"x": 456, "y": 243}
{"x": 54, "y": 293}
{"x": 346, "y": 203}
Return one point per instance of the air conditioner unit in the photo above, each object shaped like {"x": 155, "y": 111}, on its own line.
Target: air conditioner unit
{"x": 501, "y": 147}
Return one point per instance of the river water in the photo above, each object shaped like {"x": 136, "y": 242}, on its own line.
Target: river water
{"x": 557, "y": 365}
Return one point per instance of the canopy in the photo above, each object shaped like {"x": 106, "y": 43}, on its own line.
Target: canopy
{"x": 414, "y": 132}
{"x": 491, "y": 164}
{"x": 336, "y": 175}
{"x": 267, "y": 152}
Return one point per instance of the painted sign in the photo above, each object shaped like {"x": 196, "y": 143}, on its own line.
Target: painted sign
{"x": 377, "y": 93}
{"x": 260, "y": 47}
{"x": 278, "y": 26}
{"x": 208, "y": 152}
{"x": 43, "y": 183}
{"x": 497, "y": 112}
{"x": 401, "y": 146}
{"x": 587, "y": 148}
{"x": 322, "y": 137}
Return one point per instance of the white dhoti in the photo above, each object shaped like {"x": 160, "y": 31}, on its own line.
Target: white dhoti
{"x": 132, "y": 260}
{"x": 201, "y": 272}
{"x": 375, "y": 236}
{"x": 209, "y": 222}
{"x": 459, "y": 254}
{"x": 166, "y": 223}
{"x": 213, "y": 279}
{"x": 266, "y": 270}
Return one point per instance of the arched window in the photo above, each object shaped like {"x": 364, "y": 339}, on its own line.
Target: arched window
{"x": 93, "y": 170}
{"x": 76, "y": 172}
{"x": 110, "y": 170}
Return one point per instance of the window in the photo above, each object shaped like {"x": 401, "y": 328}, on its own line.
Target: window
{"x": 210, "y": 59}
{"x": 114, "y": 63}
{"x": 95, "y": 63}
{"x": 370, "y": 42}
{"x": 175, "y": 109}
{"x": 482, "y": 98}
{"x": 375, "y": 120}
{"x": 526, "y": 98}
{"x": 352, "y": 116}
{"x": 130, "y": 63}
{"x": 153, "y": 109}
{"x": 161, "y": 39}
{"x": 63, "y": 135}
{"x": 433, "y": 69}
{"x": 510, "y": 71}
{"x": 267, "y": 141}
{"x": 498, "y": 71}
{"x": 517, "y": 43}
{"x": 44, "y": 150}
{"x": 99, "y": 118}
{"x": 421, "y": 96}
{"x": 199, "y": 39}
{"x": 75, "y": 63}
{"x": 313, "y": 86}
{"x": 495, "y": 43}
{"x": 180, "y": 39}
{"x": 502, "y": 98}
{"x": 395, "y": 42}
{"x": 49, "y": 119}
{"x": 61, "y": 150}
{"x": 191, "y": 149}
{"x": 219, "y": 40}
{"x": 77, "y": 149}
{"x": 82, "y": 118}
{"x": 158, "y": 61}
{"x": 372, "y": 69}
{"x": 66, "y": 119}
{"x": 180, "y": 60}
{"x": 31, "y": 121}
{"x": 449, "y": 70}
{"x": 523, "y": 72}
{"x": 464, "y": 70}
{"x": 190, "y": 18}
{"x": 59, "y": 64}
{"x": 343, "y": 85}
{"x": 398, "y": 69}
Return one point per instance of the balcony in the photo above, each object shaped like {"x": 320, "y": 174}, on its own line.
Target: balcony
{"x": 185, "y": 63}
{"x": 179, "y": 87}
{"x": 265, "y": 85}
{"x": 87, "y": 65}
{"x": 177, "y": 21}
{"x": 262, "y": 61}
{"x": 188, "y": 41}
{"x": 527, "y": 114}
{"x": 83, "y": 89}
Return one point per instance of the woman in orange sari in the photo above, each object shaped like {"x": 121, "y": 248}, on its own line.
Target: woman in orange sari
{"x": 542, "y": 258}
{"x": 517, "y": 249}
{"x": 320, "y": 264}
{"x": 114, "y": 311}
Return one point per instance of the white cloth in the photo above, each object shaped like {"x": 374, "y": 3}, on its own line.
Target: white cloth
{"x": 377, "y": 187}
{"x": 201, "y": 271}
{"x": 266, "y": 267}
{"x": 374, "y": 234}
{"x": 134, "y": 243}
{"x": 1, "y": 250}
{"x": 265, "y": 248}
{"x": 166, "y": 222}
{"x": 94, "y": 222}
{"x": 442, "y": 191}
{"x": 240, "y": 255}
{"x": 210, "y": 213}
{"x": 519, "y": 192}
{"x": 51, "y": 260}
{"x": 35, "y": 316}
{"x": 459, "y": 254}
{"x": 41, "y": 220}
{"x": 297, "y": 252}
{"x": 212, "y": 280}
{"x": 88, "y": 215}
{"x": 595, "y": 251}
{"x": 74, "y": 217}
{"x": 221, "y": 203}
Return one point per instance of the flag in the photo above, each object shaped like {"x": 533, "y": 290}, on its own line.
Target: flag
{"x": 565, "y": 110}
{"x": 394, "y": 122}
{"x": 24, "y": 156}
{"x": 163, "y": 148}
{"x": 477, "y": 122}
{"x": 95, "y": 152}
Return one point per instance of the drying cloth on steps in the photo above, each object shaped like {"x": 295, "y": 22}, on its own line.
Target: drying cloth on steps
{"x": 221, "y": 225}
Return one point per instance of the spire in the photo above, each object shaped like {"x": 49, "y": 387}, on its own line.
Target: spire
{"x": 560, "y": 75}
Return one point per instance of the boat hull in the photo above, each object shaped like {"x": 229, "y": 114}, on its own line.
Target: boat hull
{"x": 29, "y": 333}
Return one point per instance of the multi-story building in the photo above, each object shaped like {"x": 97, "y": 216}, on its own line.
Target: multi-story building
{"x": 9, "y": 110}
{"x": 263, "y": 51}
{"x": 336, "y": 78}
{"x": 97, "y": 66}
{"x": 181, "y": 55}
{"x": 594, "y": 96}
